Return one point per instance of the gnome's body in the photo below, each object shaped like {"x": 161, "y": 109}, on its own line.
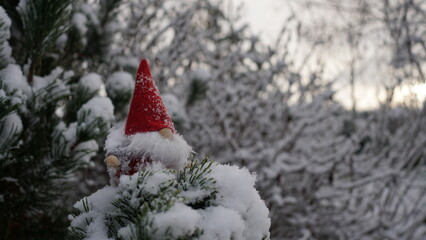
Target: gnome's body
{"x": 149, "y": 136}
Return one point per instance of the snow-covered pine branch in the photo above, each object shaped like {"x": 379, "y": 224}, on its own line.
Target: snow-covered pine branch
{"x": 204, "y": 201}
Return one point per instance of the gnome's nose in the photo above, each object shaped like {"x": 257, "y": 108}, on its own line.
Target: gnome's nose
{"x": 166, "y": 133}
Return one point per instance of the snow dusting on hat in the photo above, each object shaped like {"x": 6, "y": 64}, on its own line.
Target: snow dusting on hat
{"x": 147, "y": 111}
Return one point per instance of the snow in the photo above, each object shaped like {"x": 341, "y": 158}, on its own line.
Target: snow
{"x": 236, "y": 213}
{"x": 201, "y": 74}
{"x": 40, "y": 83}
{"x": 48, "y": 87}
{"x": 222, "y": 223}
{"x": 237, "y": 192}
{"x": 6, "y": 50}
{"x": 179, "y": 220}
{"x": 68, "y": 135}
{"x": 92, "y": 82}
{"x": 155, "y": 182}
{"x": 85, "y": 151}
{"x": 96, "y": 229}
{"x": 22, "y": 6}
{"x": 10, "y": 126}
{"x": 193, "y": 194}
{"x": 79, "y": 20}
{"x": 119, "y": 83}
{"x": 6, "y": 20}
{"x": 12, "y": 76}
{"x": 91, "y": 12}
{"x": 61, "y": 41}
{"x": 68, "y": 74}
{"x": 96, "y": 108}
{"x": 124, "y": 62}
{"x": 173, "y": 153}
{"x": 174, "y": 107}
{"x": 112, "y": 27}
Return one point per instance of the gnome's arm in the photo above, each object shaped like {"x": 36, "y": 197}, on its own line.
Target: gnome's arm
{"x": 112, "y": 161}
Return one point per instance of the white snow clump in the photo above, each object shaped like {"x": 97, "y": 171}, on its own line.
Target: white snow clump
{"x": 5, "y": 19}
{"x": 14, "y": 79}
{"x": 96, "y": 108}
{"x": 85, "y": 151}
{"x": 201, "y": 74}
{"x": 79, "y": 20}
{"x": 156, "y": 202}
{"x": 10, "y": 126}
{"x": 92, "y": 82}
{"x": 6, "y": 50}
{"x": 119, "y": 83}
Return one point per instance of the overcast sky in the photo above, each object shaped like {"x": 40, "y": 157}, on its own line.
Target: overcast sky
{"x": 266, "y": 18}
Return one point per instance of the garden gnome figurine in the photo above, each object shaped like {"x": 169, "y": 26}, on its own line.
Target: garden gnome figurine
{"x": 149, "y": 135}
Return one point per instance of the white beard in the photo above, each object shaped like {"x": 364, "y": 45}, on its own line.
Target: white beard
{"x": 173, "y": 153}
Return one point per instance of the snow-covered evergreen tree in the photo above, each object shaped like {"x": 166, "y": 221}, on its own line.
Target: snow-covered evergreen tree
{"x": 204, "y": 201}
{"x": 51, "y": 120}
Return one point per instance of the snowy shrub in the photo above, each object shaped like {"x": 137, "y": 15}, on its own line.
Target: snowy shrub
{"x": 95, "y": 116}
{"x": 175, "y": 109}
{"x": 85, "y": 151}
{"x": 120, "y": 83}
{"x": 119, "y": 87}
{"x": 5, "y": 49}
{"x": 204, "y": 201}
{"x": 10, "y": 128}
{"x": 14, "y": 79}
{"x": 91, "y": 82}
{"x": 44, "y": 139}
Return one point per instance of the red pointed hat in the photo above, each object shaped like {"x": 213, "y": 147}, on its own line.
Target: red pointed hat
{"x": 147, "y": 111}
